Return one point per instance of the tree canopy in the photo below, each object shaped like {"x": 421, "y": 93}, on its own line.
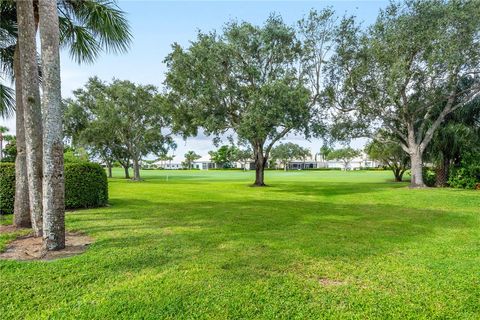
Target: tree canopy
{"x": 190, "y": 158}
{"x": 286, "y": 152}
{"x": 261, "y": 82}
{"x": 406, "y": 71}
{"x": 119, "y": 121}
{"x": 346, "y": 155}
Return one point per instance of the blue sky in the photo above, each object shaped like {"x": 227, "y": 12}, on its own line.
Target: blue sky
{"x": 157, "y": 24}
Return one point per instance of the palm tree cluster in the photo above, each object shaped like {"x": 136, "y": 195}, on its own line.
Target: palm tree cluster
{"x": 85, "y": 28}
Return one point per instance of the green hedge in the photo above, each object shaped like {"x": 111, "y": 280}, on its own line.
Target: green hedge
{"x": 7, "y": 187}
{"x": 86, "y": 186}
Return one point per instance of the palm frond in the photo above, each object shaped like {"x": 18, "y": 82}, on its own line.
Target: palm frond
{"x": 79, "y": 40}
{"x": 97, "y": 24}
{"x": 6, "y": 62}
{"x": 7, "y": 101}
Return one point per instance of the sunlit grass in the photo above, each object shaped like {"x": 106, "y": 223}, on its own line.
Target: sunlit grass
{"x": 192, "y": 244}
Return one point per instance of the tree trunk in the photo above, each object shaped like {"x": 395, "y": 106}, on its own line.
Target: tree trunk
{"x": 260, "y": 162}
{"x": 53, "y": 177}
{"x": 442, "y": 171}
{"x": 109, "y": 167}
{"x": 417, "y": 168}
{"x": 398, "y": 173}
{"x": 32, "y": 111}
{"x": 21, "y": 212}
{"x": 136, "y": 170}
{"x": 127, "y": 174}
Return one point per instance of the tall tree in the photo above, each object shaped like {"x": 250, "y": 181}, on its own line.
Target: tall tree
{"x": 190, "y": 158}
{"x": 225, "y": 156}
{"x": 286, "y": 152}
{"x": 21, "y": 212}
{"x": 53, "y": 174}
{"x": 345, "y": 155}
{"x": 244, "y": 155}
{"x": 261, "y": 82}
{"x": 86, "y": 28}
{"x": 405, "y": 72}
{"x": 32, "y": 114}
{"x": 126, "y": 119}
{"x": 389, "y": 153}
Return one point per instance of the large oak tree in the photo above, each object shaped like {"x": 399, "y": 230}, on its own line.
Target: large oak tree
{"x": 261, "y": 82}
{"x": 404, "y": 72}
{"x": 120, "y": 120}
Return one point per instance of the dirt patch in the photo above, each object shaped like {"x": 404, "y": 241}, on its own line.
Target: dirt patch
{"x": 30, "y": 248}
{"x": 330, "y": 282}
{"x": 9, "y": 228}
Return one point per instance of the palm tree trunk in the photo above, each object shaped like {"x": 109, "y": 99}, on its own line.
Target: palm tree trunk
{"x": 53, "y": 177}
{"x": 32, "y": 111}
{"x": 21, "y": 211}
{"x": 442, "y": 172}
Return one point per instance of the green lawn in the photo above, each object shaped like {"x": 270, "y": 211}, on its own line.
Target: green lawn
{"x": 203, "y": 245}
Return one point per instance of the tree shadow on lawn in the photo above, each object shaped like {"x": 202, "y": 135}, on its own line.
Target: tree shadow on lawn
{"x": 336, "y": 188}
{"x": 263, "y": 234}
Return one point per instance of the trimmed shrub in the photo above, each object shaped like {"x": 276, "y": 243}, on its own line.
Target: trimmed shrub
{"x": 86, "y": 186}
{"x": 7, "y": 187}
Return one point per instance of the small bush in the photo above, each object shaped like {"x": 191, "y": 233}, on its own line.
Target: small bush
{"x": 86, "y": 185}
{"x": 429, "y": 177}
{"x": 467, "y": 177}
{"x": 7, "y": 187}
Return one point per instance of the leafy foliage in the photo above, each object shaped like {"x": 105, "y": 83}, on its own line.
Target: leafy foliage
{"x": 75, "y": 155}
{"x": 225, "y": 156}
{"x": 118, "y": 121}
{"x": 261, "y": 82}
{"x": 404, "y": 72}
{"x": 86, "y": 185}
{"x": 190, "y": 158}
{"x": 345, "y": 155}
{"x": 467, "y": 174}
{"x": 10, "y": 150}
{"x": 389, "y": 153}
{"x": 7, "y": 187}
{"x": 286, "y": 152}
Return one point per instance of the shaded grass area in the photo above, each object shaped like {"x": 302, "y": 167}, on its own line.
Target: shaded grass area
{"x": 203, "y": 245}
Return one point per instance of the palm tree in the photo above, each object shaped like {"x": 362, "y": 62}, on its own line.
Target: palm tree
{"x": 8, "y": 39}
{"x": 53, "y": 175}
{"x": 460, "y": 134}
{"x": 30, "y": 100}
{"x": 86, "y": 28}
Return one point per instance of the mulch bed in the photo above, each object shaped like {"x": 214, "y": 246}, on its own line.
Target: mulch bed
{"x": 30, "y": 248}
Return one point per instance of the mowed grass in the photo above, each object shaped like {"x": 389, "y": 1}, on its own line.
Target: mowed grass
{"x": 312, "y": 245}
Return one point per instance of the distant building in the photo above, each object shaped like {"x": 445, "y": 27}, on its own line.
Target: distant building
{"x": 316, "y": 162}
